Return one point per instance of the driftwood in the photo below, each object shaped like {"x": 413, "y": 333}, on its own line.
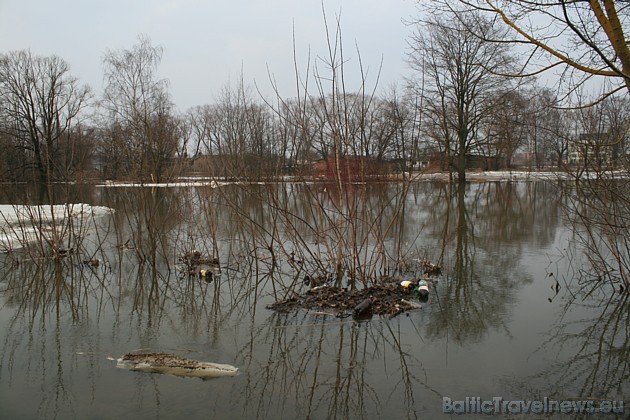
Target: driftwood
{"x": 172, "y": 364}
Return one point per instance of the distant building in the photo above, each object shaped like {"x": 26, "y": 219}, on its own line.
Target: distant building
{"x": 597, "y": 150}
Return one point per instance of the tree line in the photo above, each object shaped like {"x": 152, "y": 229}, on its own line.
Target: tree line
{"x": 471, "y": 97}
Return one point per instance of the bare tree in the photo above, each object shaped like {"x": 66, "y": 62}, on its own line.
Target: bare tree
{"x": 401, "y": 116}
{"x": 507, "y": 129}
{"x": 241, "y": 133}
{"x": 40, "y": 106}
{"x": 200, "y": 123}
{"x": 141, "y": 139}
{"x": 293, "y": 131}
{"x": 238, "y": 135}
{"x": 585, "y": 39}
{"x": 185, "y": 134}
{"x": 548, "y": 128}
{"x": 616, "y": 111}
{"x": 460, "y": 71}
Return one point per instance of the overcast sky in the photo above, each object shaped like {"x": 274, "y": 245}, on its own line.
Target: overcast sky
{"x": 209, "y": 43}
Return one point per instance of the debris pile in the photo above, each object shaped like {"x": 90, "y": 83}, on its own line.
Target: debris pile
{"x": 430, "y": 268}
{"x": 198, "y": 265}
{"x": 389, "y": 298}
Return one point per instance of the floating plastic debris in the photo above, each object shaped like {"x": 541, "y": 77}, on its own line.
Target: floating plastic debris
{"x": 422, "y": 289}
{"x": 406, "y": 283}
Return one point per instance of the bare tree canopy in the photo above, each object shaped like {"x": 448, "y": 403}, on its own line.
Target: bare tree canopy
{"x": 142, "y": 134}
{"x": 461, "y": 81}
{"x": 40, "y": 103}
{"x": 132, "y": 90}
{"x": 585, "y": 38}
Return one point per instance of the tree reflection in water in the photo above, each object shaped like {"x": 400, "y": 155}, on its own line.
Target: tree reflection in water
{"x": 591, "y": 335}
{"x": 317, "y": 366}
{"x": 49, "y": 299}
{"x": 481, "y": 228}
{"x": 595, "y": 333}
{"x": 292, "y": 365}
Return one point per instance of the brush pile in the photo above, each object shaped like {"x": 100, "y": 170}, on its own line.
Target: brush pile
{"x": 389, "y": 298}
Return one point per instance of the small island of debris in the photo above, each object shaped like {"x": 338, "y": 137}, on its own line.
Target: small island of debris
{"x": 389, "y": 298}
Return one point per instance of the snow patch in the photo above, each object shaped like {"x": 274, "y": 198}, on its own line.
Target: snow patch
{"x": 192, "y": 182}
{"x": 24, "y": 224}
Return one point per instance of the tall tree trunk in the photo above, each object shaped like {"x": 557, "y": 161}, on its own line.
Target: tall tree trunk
{"x": 461, "y": 155}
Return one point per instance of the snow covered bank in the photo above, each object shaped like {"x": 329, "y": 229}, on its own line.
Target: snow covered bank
{"x": 471, "y": 176}
{"x": 482, "y": 176}
{"x": 187, "y": 182}
{"x": 24, "y": 224}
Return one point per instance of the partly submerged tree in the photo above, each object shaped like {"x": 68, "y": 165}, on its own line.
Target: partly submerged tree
{"x": 40, "y": 103}
{"x": 139, "y": 135}
{"x": 462, "y": 81}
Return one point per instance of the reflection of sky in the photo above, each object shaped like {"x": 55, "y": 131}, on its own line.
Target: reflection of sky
{"x": 208, "y": 43}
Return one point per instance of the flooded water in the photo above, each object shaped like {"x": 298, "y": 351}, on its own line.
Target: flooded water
{"x": 509, "y": 317}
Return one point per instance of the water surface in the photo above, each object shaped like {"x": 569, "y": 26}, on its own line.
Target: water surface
{"x": 505, "y": 318}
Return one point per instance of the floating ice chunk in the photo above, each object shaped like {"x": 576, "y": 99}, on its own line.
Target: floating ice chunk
{"x": 23, "y": 224}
